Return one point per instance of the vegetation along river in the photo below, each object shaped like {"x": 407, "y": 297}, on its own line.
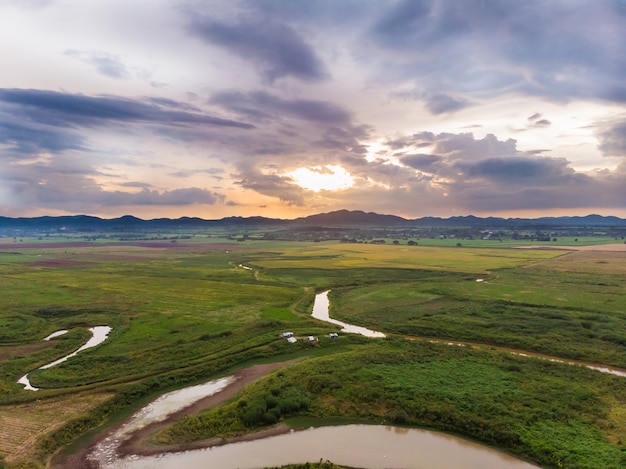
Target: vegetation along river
{"x": 364, "y": 446}
{"x": 321, "y": 311}
{"x": 99, "y": 335}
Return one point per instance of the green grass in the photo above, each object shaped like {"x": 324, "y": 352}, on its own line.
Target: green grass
{"x": 499, "y": 399}
{"x": 184, "y": 315}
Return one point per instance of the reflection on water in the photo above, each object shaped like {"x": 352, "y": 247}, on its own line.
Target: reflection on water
{"x": 365, "y": 446}
{"x": 172, "y": 402}
{"x": 56, "y": 334}
{"x": 320, "y": 311}
{"x": 99, "y": 335}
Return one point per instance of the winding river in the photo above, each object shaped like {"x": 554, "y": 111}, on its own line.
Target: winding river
{"x": 321, "y": 312}
{"x": 321, "y": 308}
{"x": 364, "y": 446}
{"x": 98, "y": 335}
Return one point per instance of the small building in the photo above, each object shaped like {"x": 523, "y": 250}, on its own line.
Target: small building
{"x": 292, "y": 340}
{"x": 311, "y": 339}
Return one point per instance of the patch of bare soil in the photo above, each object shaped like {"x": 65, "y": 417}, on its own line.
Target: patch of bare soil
{"x": 22, "y": 350}
{"x": 139, "y": 441}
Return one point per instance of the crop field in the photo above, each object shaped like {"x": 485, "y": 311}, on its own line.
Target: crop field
{"x": 457, "y": 259}
{"x": 22, "y": 425}
{"x": 182, "y": 312}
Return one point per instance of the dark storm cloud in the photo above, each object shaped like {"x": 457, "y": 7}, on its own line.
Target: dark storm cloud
{"x": 260, "y": 105}
{"x": 106, "y": 64}
{"x": 275, "y": 48}
{"x": 61, "y": 109}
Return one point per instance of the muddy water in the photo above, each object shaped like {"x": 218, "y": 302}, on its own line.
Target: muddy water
{"x": 320, "y": 311}
{"x": 99, "y": 335}
{"x": 365, "y": 446}
{"x": 105, "y": 452}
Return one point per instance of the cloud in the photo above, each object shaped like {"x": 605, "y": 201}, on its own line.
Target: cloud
{"x": 263, "y": 105}
{"x": 106, "y": 64}
{"x": 612, "y": 138}
{"x": 185, "y": 173}
{"x": 275, "y": 48}
{"x": 421, "y": 161}
{"x": 68, "y": 184}
{"x": 26, "y": 137}
{"x": 537, "y": 120}
{"x": 273, "y": 185}
{"x": 60, "y": 109}
{"x": 526, "y": 170}
{"x": 473, "y": 50}
{"x": 440, "y": 103}
{"x": 184, "y": 196}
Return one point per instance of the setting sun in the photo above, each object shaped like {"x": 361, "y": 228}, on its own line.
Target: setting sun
{"x": 322, "y": 178}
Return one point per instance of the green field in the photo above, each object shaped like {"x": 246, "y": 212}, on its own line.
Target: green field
{"x": 185, "y": 312}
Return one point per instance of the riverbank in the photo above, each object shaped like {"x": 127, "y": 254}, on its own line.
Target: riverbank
{"x": 141, "y": 442}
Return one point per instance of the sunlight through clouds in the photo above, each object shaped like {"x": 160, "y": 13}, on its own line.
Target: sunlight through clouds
{"x": 326, "y": 178}
{"x": 131, "y": 108}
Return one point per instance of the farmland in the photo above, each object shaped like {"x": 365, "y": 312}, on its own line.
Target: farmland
{"x": 187, "y": 311}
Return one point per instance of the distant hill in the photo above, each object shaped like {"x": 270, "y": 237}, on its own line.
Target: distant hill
{"x": 350, "y": 218}
{"x": 336, "y": 219}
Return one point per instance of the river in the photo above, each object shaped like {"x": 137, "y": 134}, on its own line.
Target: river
{"x": 98, "y": 335}
{"x": 321, "y": 312}
{"x": 321, "y": 307}
{"x": 364, "y": 446}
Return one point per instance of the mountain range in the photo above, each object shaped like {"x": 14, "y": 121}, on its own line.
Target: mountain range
{"x": 336, "y": 219}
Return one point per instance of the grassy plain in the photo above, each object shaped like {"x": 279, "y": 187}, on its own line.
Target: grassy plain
{"x": 504, "y": 400}
{"x": 183, "y": 312}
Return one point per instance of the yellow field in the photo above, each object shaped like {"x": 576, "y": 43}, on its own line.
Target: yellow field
{"x": 347, "y": 256}
{"x": 22, "y": 425}
{"x": 601, "y": 262}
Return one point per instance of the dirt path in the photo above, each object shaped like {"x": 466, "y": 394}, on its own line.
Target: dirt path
{"x": 139, "y": 441}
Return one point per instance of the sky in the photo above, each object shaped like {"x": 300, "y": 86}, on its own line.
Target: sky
{"x": 287, "y": 108}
